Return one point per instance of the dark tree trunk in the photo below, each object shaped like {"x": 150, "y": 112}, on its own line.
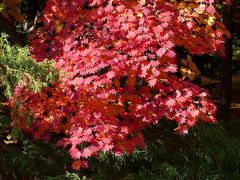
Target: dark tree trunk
{"x": 226, "y": 66}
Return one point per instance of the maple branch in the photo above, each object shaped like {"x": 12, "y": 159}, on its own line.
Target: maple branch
{"x": 35, "y": 12}
{"x": 10, "y": 29}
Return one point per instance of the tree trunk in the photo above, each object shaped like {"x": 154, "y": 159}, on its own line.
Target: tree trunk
{"x": 226, "y": 66}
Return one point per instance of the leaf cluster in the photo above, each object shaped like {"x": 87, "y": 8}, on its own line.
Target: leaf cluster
{"x": 18, "y": 68}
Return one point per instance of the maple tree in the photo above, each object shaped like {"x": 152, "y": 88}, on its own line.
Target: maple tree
{"x": 119, "y": 62}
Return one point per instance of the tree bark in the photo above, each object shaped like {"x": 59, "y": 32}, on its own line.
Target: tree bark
{"x": 226, "y": 66}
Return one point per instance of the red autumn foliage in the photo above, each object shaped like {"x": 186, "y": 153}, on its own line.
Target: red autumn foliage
{"x": 119, "y": 69}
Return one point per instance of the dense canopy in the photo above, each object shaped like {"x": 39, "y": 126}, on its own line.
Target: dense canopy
{"x": 118, "y": 63}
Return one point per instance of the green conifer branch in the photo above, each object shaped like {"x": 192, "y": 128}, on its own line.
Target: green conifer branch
{"x": 17, "y": 67}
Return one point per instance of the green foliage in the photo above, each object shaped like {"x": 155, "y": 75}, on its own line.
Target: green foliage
{"x": 17, "y": 67}
{"x": 67, "y": 176}
{"x": 1, "y": 7}
{"x": 205, "y": 153}
{"x": 34, "y": 158}
{"x": 4, "y": 122}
